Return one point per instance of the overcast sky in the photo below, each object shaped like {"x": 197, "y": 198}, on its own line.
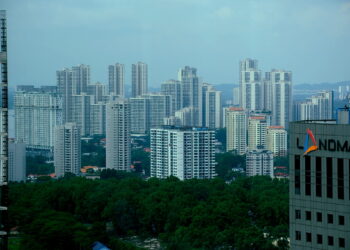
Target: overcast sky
{"x": 309, "y": 37}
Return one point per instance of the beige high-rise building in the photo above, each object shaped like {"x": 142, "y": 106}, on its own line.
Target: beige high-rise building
{"x": 118, "y": 140}
{"x": 277, "y": 140}
{"x": 257, "y": 126}
{"x": 236, "y": 129}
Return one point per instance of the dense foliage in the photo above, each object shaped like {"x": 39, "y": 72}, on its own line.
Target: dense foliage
{"x": 93, "y": 153}
{"x": 72, "y": 213}
{"x": 227, "y": 162}
{"x": 38, "y": 165}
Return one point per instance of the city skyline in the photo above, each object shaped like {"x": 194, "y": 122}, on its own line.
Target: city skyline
{"x": 314, "y": 37}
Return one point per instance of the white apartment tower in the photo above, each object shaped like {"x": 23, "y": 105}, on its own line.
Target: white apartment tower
{"x": 174, "y": 89}
{"x": 118, "y": 143}
{"x": 212, "y": 108}
{"x": 71, "y": 82}
{"x": 236, "y": 129}
{"x": 37, "y": 112}
{"x": 277, "y": 140}
{"x": 257, "y": 126}
{"x": 259, "y": 162}
{"x": 67, "y": 151}
{"x": 250, "y": 85}
{"x": 183, "y": 153}
{"x": 139, "y": 79}
{"x": 116, "y": 79}
{"x": 81, "y": 112}
{"x": 281, "y": 85}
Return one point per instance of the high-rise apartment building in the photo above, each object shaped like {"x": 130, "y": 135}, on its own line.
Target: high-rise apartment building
{"x": 319, "y": 195}
{"x": 118, "y": 143}
{"x": 97, "y": 90}
{"x": 98, "y": 118}
{"x": 81, "y": 112}
{"x": 116, "y": 78}
{"x": 281, "y": 85}
{"x": 183, "y": 153}
{"x": 139, "y": 79}
{"x": 140, "y": 115}
{"x": 236, "y": 129}
{"x": 67, "y": 150}
{"x": 318, "y": 107}
{"x": 173, "y": 88}
{"x": 212, "y": 107}
{"x": 250, "y": 85}
{"x": 259, "y": 162}
{"x": 276, "y": 138}
{"x": 192, "y": 93}
{"x": 71, "y": 82}
{"x": 236, "y": 96}
{"x": 159, "y": 107}
{"x": 37, "y": 112}
{"x": 17, "y": 161}
{"x": 257, "y": 126}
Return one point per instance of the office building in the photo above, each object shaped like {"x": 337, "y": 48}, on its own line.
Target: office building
{"x": 139, "y": 79}
{"x": 318, "y": 107}
{"x": 277, "y": 140}
{"x": 281, "y": 85}
{"x": 250, "y": 85}
{"x": 259, "y": 162}
{"x": 257, "y": 126}
{"x": 67, "y": 150}
{"x": 319, "y": 197}
{"x": 183, "y": 153}
{"x": 17, "y": 161}
{"x": 37, "y": 112}
{"x": 192, "y": 93}
{"x": 118, "y": 143}
{"x": 236, "y": 129}
{"x": 116, "y": 78}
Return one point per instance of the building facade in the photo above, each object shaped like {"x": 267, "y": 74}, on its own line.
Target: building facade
{"x": 276, "y": 138}
{"x": 319, "y": 197}
{"x": 257, "y": 127}
{"x": 118, "y": 139}
{"x": 236, "y": 130}
{"x": 116, "y": 80}
{"x": 67, "y": 150}
{"x": 139, "y": 79}
{"x": 259, "y": 162}
{"x": 17, "y": 161}
{"x": 183, "y": 153}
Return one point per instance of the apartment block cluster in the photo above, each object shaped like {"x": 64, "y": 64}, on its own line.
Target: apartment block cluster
{"x": 53, "y": 119}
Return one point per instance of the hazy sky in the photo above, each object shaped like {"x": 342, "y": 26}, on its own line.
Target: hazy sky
{"x": 309, "y": 37}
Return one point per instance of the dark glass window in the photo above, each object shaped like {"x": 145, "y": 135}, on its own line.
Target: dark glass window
{"x": 297, "y": 173}
{"x": 330, "y": 241}
{"x": 342, "y": 242}
{"x": 307, "y": 175}
{"x": 340, "y": 179}
{"x": 319, "y": 239}
{"x": 297, "y": 235}
{"x": 308, "y": 215}
{"x": 341, "y": 220}
{"x": 330, "y": 218}
{"x": 297, "y": 214}
{"x": 319, "y": 216}
{"x": 308, "y": 237}
{"x": 329, "y": 177}
{"x": 318, "y": 176}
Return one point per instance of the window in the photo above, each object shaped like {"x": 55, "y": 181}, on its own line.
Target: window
{"x": 330, "y": 218}
{"x": 329, "y": 177}
{"x": 297, "y": 235}
{"x": 340, "y": 179}
{"x": 342, "y": 242}
{"x": 297, "y": 174}
{"x": 307, "y": 175}
{"x": 297, "y": 214}
{"x": 318, "y": 176}
{"x": 319, "y": 216}
{"x": 319, "y": 239}
{"x": 308, "y": 215}
{"x": 341, "y": 220}
{"x": 308, "y": 237}
{"x": 330, "y": 241}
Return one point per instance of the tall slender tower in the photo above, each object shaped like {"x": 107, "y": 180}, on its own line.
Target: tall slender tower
{"x": 116, "y": 79}
{"x": 139, "y": 79}
{"x": 4, "y": 227}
